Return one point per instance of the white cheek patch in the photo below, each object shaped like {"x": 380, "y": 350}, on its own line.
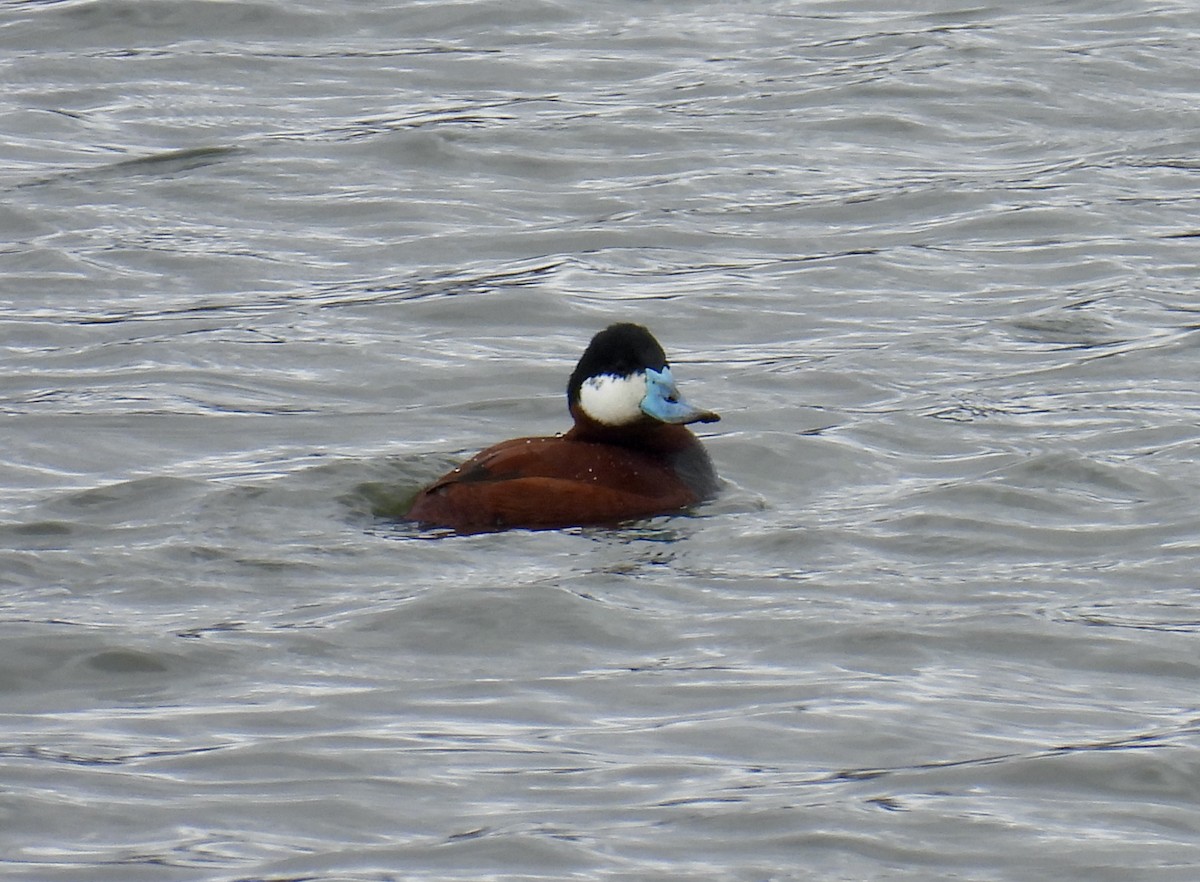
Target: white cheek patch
{"x": 613, "y": 401}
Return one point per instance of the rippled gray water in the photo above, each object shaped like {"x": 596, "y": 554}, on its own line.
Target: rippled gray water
{"x": 269, "y": 267}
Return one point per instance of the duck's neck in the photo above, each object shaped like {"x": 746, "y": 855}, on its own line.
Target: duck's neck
{"x": 645, "y": 434}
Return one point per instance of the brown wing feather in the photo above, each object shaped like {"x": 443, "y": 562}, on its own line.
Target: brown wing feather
{"x": 548, "y": 482}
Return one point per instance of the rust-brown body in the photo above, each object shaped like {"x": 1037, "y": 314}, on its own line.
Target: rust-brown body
{"x": 591, "y": 475}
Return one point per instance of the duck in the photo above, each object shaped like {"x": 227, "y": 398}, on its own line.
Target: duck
{"x": 629, "y": 455}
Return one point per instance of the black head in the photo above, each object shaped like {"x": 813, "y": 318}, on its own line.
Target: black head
{"x": 623, "y": 380}
{"x": 620, "y": 350}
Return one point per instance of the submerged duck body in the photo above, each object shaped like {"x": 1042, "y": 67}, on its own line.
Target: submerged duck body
{"x": 629, "y": 455}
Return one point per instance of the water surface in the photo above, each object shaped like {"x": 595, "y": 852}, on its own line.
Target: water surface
{"x": 268, "y": 268}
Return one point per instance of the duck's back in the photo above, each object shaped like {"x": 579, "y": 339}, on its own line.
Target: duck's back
{"x": 556, "y": 482}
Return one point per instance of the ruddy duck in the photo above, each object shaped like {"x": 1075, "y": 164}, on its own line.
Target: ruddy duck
{"x": 628, "y": 455}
